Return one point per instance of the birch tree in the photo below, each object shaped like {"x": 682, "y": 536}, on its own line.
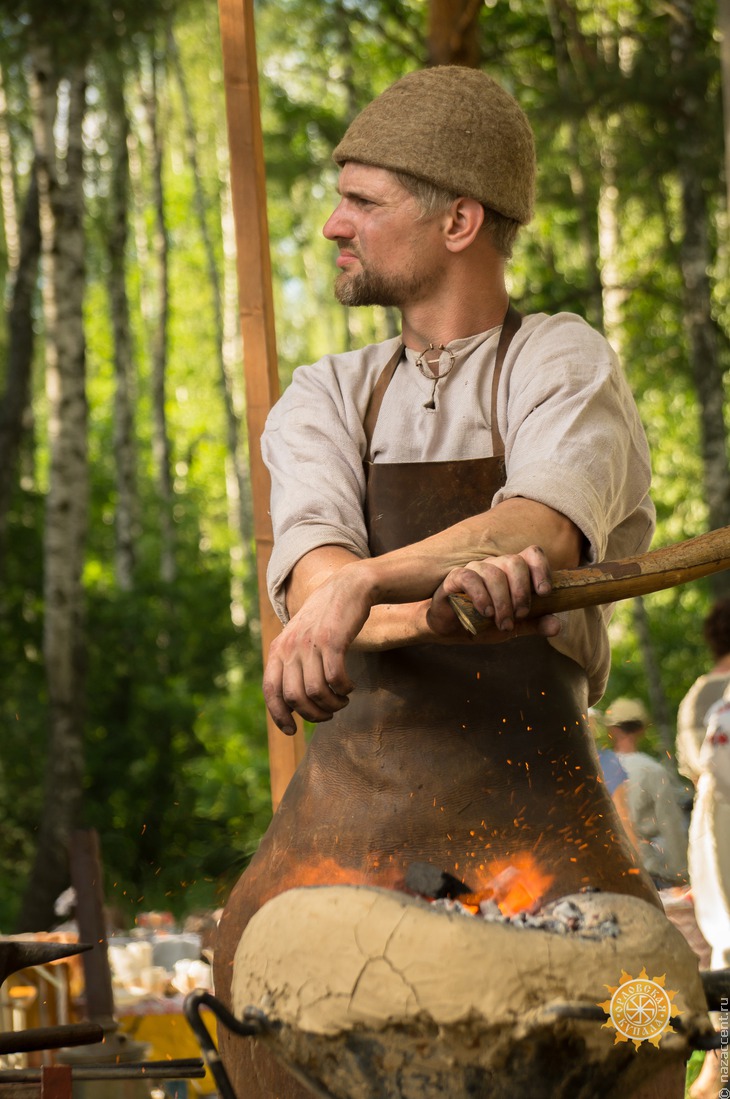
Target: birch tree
{"x": 695, "y": 260}
{"x": 15, "y": 405}
{"x": 8, "y": 188}
{"x": 160, "y": 326}
{"x": 723, "y": 12}
{"x": 237, "y": 480}
{"x": 125, "y": 452}
{"x": 574, "y": 88}
{"x": 60, "y": 177}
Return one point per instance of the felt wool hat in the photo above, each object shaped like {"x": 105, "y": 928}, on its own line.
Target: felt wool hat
{"x": 626, "y": 711}
{"x": 454, "y": 127}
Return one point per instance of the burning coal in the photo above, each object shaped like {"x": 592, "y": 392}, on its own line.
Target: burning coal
{"x": 513, "y": 897}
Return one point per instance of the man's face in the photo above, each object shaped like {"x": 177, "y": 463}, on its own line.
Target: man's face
{"x": 388, "y": 256}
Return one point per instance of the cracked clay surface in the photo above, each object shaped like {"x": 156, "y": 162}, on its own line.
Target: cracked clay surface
{"x": 331, "y": 959}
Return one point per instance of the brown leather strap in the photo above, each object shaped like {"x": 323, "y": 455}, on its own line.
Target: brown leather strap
{"x": 511, "y": 323}
{"x": 376, "y": 399}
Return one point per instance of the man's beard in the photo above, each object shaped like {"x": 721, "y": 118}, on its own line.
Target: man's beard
{"x": 372, "y": 288}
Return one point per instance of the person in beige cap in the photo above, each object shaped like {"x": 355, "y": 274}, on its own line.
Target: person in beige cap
{"x": 477, "y": 451}
{"x": 653, "y": 797}
{"x": 437, "y": 177}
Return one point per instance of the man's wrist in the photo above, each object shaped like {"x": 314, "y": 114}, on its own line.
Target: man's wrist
{"x": 361, "y": 580}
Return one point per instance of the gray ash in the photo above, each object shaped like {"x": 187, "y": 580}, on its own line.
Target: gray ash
{"x": 561, "y": 917}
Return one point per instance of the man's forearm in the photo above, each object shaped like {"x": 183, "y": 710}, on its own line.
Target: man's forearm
{"x": 389, "y": 625}
{"x": 414, "y": 572}
{"x": 399, "y": 584}
{"x": 338, "y": 600}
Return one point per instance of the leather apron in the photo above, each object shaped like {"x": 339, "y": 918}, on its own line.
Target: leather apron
{"x": 471, "y": 757}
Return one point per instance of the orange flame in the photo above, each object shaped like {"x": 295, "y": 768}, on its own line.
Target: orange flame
{"x": 515, "y": 885}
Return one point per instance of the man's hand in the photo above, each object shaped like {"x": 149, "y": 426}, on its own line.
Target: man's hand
{"x": 306, "y": 669}
{"x": 331, "y": 594}
{"x": 501, "y": 589}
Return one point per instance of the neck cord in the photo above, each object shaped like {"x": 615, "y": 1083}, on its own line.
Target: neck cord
{"x": 425, "y": 369}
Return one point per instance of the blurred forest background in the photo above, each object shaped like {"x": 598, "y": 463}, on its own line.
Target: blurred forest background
{"x": 130, "y": 661}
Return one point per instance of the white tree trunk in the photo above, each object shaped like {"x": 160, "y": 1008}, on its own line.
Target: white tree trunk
{"x": 16, "y": 414}
{"x": 8, "y": 189}
{"x": 125, "y": 453}
{"x": 238, "y": 481}
{"x": 61, "y": 197}
{"x": 723, "y": 23}
{"x": 161, "y": 441}
{"x": 695, "y": 261}
{"x": 237, "y": 487}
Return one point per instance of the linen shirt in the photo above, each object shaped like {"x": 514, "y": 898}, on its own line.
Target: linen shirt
{"x": 656, "y": 817}
{"x": 572, "y": 435}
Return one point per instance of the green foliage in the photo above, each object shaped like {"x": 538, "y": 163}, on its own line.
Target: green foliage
{"x": 22, "y": 700}
{"x": 176, "y": 708}
{"x": 177, "y": 771}
{"x": 75, "y": 32}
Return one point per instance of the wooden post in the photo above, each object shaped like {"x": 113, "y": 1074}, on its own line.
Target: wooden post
{"x": 248, "y": 187}
{"x": 86, "y": 877}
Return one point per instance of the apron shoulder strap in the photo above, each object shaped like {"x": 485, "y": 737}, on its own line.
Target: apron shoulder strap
{"x": 510, "y": 325}
{"x": 376, "y": 399}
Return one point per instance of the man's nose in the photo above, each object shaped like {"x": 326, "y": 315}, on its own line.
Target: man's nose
{"x": 337, "y": 226}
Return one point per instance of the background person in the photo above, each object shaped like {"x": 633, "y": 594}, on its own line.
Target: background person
{"x": 653, "y": 798}
{"x": 614, "y": 774}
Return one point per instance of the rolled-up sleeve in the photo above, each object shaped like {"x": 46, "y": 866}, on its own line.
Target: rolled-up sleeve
{"x": 312, "y": 447}
{"x": 574, "y": 440}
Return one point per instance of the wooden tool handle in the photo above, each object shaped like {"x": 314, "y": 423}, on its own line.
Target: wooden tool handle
{"x": 614, "y": 580}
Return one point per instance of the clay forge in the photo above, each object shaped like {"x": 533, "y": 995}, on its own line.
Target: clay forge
{"x": 372, "y": 992}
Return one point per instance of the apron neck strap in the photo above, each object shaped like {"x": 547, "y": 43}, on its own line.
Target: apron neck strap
{"x": 510, "y": 325}
{"x": 376, "y": 399}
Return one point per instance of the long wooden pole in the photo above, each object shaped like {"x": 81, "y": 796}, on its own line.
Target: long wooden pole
{"x": 248, "y": 188}
{"x": 609, "y": 581}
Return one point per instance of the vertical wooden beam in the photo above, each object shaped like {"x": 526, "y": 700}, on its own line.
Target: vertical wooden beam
{"x": 453, "y": 37}
{"x": 248, "y": 187}
{"x": 86, "y": 878}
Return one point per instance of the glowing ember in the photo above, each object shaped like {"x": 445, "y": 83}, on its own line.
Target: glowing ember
{"x": 517, "y": 885}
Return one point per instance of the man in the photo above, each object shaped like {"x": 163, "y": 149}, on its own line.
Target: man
{"x": 614, "y": 774}
{"x": 476, "y": 453}
{"x": 652, "y": 796}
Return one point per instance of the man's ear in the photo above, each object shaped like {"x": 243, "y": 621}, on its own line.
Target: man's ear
{"x": 465, "y": 218}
